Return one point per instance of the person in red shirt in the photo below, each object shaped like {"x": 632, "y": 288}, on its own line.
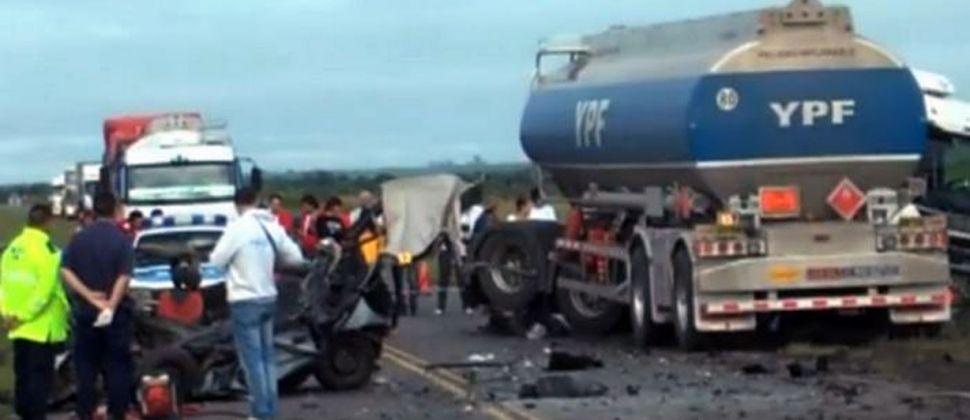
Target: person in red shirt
{"x": 132, "y": 224}
{"x": 306, "y": 227}
{"x": 283, "y": 216}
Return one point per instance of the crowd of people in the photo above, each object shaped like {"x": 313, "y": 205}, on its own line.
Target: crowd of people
{"x": 47, "y": 294}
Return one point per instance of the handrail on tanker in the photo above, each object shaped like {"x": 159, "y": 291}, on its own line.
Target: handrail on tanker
{"x": 573, "y": 51}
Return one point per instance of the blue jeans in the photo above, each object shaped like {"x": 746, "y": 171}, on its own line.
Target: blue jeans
{"x": 252, "y": 327}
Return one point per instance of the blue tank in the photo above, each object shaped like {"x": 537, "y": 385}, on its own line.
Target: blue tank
{"x": 781, "y": 96}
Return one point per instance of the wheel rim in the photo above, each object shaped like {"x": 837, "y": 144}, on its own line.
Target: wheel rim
{"x": 587, "y": 306}
{"x": 344, "y": 361}
{"x": 512, "y": 258}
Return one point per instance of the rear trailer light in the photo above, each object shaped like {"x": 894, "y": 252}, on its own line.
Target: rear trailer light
{"x": 735, "y": 247}
{"x": 914, "y": 235}
{"x": 779, "y": 202}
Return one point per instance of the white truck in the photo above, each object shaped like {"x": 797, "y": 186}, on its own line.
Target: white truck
{"x": 173, "y": 163}
{"x": 69, "y": 198}
{"x": 88, "y": 175}
{"x": 56, "y": 196}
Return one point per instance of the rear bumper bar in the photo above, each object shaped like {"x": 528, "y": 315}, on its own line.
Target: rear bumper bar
{"x": 733, "y": 307}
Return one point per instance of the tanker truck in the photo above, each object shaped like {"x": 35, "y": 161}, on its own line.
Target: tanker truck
{"x": 173, "y": 163}
{"x": 722, "y": 172}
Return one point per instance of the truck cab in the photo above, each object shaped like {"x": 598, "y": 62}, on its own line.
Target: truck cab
{"x": 944, "y": 166}
{"x": 173, "y": 164}
{"x": 56, "y": 196}
{"x": 89, "y": 173}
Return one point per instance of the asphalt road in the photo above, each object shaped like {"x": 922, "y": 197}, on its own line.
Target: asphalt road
{"x": 741, "y": 383}
{"x": 667, "y": 383}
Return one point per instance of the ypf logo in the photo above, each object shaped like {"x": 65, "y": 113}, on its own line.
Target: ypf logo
{"x": 727, "y": 99}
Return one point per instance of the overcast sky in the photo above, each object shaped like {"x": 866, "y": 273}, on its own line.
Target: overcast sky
{"x": 341, "y": 83}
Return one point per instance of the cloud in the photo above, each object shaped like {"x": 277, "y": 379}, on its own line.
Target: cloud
{"x": 339, "y": 83}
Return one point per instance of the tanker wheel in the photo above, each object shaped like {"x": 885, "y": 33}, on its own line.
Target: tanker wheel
{"x": 645, "y": 330}
{"x": 588, "y": 314}
{"x": 516, "y": 263}
{"x": 688, "y": 338}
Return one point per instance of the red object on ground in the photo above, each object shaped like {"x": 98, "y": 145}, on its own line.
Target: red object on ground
{"x": 185, "y": 309}
{"x": 424, "y": 278}
{"x": 158, "y": 401}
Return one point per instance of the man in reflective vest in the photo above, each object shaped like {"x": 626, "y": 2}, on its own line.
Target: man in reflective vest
{"x": 34, "y": 309}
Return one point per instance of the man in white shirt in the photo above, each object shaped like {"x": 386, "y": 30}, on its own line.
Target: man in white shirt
{"x": 249, "y": 248}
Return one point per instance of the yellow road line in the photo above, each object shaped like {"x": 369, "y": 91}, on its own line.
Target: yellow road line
{"x": 455, "y": 378}
{"x": 452, "y": 383}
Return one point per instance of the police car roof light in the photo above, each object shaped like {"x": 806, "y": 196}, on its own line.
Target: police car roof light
{"x": 185, "y": 220}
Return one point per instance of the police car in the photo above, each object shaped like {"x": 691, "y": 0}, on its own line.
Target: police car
{"x": 152, "y": 273}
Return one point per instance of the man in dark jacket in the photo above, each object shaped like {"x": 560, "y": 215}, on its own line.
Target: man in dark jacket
{"x": 97, "y": 268}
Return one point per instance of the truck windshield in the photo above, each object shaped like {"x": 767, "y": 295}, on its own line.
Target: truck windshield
{"x": 200, "y": 242}
{"x": 957, "y": 167}
{"x": 180, "y": 182}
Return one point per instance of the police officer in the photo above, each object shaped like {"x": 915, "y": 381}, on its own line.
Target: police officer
{"x": 34, "y": 309}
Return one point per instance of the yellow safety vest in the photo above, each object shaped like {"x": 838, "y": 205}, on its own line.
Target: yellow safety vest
{"x": 31, "y": 290}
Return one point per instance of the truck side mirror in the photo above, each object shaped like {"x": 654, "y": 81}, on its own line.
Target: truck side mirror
{"x": 256, "y": 179}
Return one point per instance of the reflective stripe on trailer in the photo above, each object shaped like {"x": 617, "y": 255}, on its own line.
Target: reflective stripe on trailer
{"x": 820, "y": 303}
{"x": 614, "y": 252}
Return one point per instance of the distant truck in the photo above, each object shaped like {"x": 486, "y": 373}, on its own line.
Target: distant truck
{"x": 89, "y": 174}
{"x": 56, "y": 196}
{"x": 173, "y": 163}
{"x": 721, "y": 172}
{"x": 70, "y": 197}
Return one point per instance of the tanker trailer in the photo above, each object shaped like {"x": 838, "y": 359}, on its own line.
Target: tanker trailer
{"x": 723, "y": 171}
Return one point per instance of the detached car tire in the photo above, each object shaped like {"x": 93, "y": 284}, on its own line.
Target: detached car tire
{"x": 347, "y": 363}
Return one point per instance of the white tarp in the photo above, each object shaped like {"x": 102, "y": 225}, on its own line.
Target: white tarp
{"x": 418, "y": 209}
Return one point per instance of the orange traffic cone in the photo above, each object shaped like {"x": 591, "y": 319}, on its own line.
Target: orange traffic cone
{"x": 424, "y": 278}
